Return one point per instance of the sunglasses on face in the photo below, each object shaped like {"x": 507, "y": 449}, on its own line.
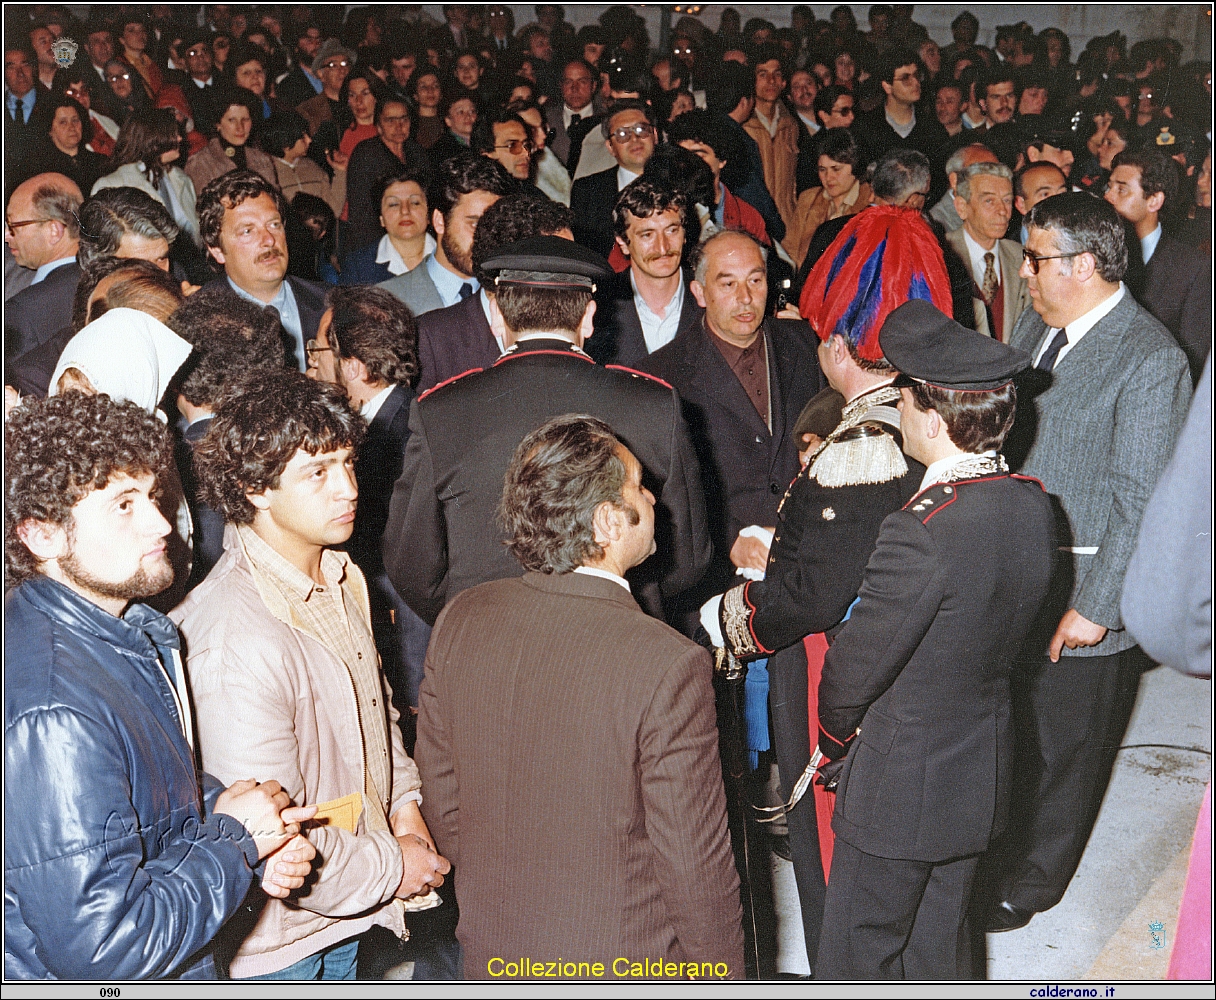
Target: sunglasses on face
{"x": 627, "y": 132}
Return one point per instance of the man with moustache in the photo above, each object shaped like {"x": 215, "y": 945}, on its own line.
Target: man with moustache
{"x": 648, "y": 305}
{"x": 240, "y": 219}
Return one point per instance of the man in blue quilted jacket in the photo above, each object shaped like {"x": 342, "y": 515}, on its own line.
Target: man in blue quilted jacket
{"x": 121, "y": 860}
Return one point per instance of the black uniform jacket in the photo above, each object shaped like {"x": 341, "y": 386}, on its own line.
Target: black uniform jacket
{"x": 923, "y": 663}
{"x": 745, "y": 468}
{"x": 442, "y": 536}
{"x": 824, "y": 536}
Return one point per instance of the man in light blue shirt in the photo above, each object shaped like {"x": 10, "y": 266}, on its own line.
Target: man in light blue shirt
{"x": 241, "y": 223}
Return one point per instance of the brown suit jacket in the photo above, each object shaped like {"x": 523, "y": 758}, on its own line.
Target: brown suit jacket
{"x": 568, "y": 748}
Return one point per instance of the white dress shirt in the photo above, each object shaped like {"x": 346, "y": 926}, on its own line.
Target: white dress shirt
{"x": 976, "y": 252}
{"x": 592, "y": 571}
{"x": 624, "y": 178}
{"x": 369, "y": 409}
{"x": 657, "y": 330}
{"x": 569, "y": 114}
{"x": 812, "y": 126}
{"x": 1148, "y": 245}
{"x": 386, "y": 253}
{"x": 1079, "y": 327}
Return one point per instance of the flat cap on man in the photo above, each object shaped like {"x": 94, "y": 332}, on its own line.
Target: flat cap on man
{"x": 547, "y": 261}
{"x": 927, "y": 346}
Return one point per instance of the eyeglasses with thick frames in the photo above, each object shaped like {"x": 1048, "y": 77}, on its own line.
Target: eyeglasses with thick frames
{"x": 12, "y": 227}
{"x": 115, "y": 77}
{"x": 627, "y": 132}
{"x": 1034, "y": 262}
{"x": 517, "y": 146}
{"x": 312, "y": 347}
{"x": 337, "y": 64}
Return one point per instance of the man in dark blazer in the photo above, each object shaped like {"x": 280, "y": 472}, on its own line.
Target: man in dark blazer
{"x": 579, "y": 85}
{"x": 441, "y": 536}
{"x": 645, "y": 307}
{"x": 1098, "y": 437}
{"x": 914, "y": 708}
{"x": 630, "y": 134}
{"x": 43, "y": 232}
{"x": 27, "y": 108}
{"x": 457, "y": 339}
{"x": 365, "y": 345}
{"x": 241, "y": 223}
{"x": 594, "y": 703}
{"x": 742, "y": 381}
{"x": 1170, "y": 279}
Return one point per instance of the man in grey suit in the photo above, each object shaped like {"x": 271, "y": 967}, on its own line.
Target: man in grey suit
{"x": 578, "y": 90}
{"x": 1098, "y": 436}
{"x": 463, "y": 188}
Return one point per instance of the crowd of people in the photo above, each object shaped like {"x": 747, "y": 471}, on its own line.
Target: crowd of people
{"x": 468, "y": 486}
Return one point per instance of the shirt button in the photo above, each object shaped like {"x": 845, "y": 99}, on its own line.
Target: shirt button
{"x": 373, "y": 702}
{"x": 774, "y": 488}
{"x": 360, "y": 655}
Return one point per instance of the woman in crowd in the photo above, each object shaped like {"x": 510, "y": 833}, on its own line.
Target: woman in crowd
{"x": 840, "y": 192}
{"x": 249, "y": 71}
{"x": 404, "y": 242}
{"x": 229, "y": 149}
{"x": 127, "y": 94}
{"x": 65, "y": 152}
{"x": 426, "y": 93}
{"x": 131, "y": 33}
{"x": 284, "y": 138}
{"x": 670, "y": 104}
{"x": 844, "y": 69}
{"x": 360, "y": 94}
{"x": 146, "y": 155}
{"x": 459, "y": 115}
{"x": 100, "y": 130}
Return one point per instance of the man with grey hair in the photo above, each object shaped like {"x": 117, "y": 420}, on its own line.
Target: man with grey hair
{"x": 126, "y": 222}
{"x": 42, "y": 229}
{"x": 983, "y": 199}
{"x": 943, "y": 212}
{"x": 743, "y": 380}
{"x": 636, "y": 710}
{"x": 1097, "y": 437}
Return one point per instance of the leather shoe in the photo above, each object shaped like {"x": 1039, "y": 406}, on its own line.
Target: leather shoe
{"x": 1007, "y": 917}
{"x": 781, "y": 846}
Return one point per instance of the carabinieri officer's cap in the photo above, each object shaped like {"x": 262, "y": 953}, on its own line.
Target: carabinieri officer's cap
{"x": 927, "y": 346}
{"x": 547, "y": 262}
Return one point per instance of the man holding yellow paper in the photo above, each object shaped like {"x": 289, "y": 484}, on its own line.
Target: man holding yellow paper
{"x": 286, "y": 680}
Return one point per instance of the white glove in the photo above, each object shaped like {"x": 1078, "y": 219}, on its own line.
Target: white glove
{"x": 762, "y": 535}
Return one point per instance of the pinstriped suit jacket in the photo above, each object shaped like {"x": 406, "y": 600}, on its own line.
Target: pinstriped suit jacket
{"x": 1098, "y": 436}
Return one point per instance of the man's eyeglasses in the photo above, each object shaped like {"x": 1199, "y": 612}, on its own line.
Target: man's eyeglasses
{"x": 1034, "y": 262}
{"x": 627, "y": 132}
{"x": 115, "y": 77}
{"x": 517, "y": 146}
{"x": 340, "y": 64}
{"x": 201, "y": 50}
{"x": 312, "y": 347}
{"x": 12, "y": 227}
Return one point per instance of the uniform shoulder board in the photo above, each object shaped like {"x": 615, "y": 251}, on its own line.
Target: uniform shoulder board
{"x": 449, "y": 381}
{"x": 1029, "y": 479}
{"x": 930, "y": 500}
{"x": 859, "y": 456}
{"x": 637, "y": 374}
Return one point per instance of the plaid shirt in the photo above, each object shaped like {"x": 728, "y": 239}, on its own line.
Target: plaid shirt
{"x": 332, "y": 615}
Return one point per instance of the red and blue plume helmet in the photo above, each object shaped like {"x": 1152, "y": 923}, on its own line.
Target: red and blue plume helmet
{"x": 885, "y": 256}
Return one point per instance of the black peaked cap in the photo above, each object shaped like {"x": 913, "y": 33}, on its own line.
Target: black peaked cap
{"x": 926, "y": 345}
{"x": 542, "y": 259}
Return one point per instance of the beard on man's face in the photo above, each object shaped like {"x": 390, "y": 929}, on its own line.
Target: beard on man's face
{"x": 459, "y": 257}
{"x": 144, "y": 582}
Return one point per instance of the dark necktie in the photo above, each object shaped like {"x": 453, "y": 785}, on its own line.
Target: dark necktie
{"x": 465, "y": 291}
{"x": 1048, "y": 361}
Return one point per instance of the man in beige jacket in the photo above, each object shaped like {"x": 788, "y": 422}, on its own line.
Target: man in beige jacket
{"x": 286, "y": 680}
{"x": 776, "y": 133}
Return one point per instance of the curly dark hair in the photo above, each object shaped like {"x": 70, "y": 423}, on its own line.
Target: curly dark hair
{"x": 642, "y": 199}
{"x": 463, "y": 175}
{"x": 231, "y": 339}
{"x": 228, "y": 191}
{"x": 513, "y": 218}
{"x": 377, "y": 328}
{"x": 257, "y": 429}
{"x": 58, "y": 450}
{"x": 560, "y": 473}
